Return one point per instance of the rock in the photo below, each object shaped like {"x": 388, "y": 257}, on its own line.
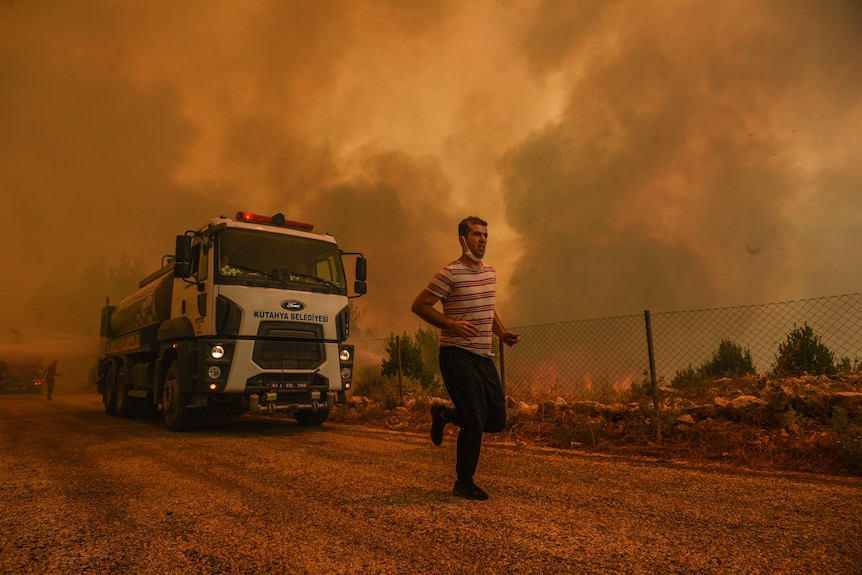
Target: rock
{"x": 744, "y": 407}
{"x": 849, "y": 401}
{"x": 812, "y": 401}
{"x": 357, "y": 401}
{"x": 395, "y": 424}
{"x": 685, "y": 418}
{"x": 747, "y": 402}
{"x": 587, "y": 407}
{"x": 617, "y": 411}
{"x": 527, "y": 409}
{"x": 779, "y": 397}
{"x": 547, "y": 408}
{"x": 707, "y": 411}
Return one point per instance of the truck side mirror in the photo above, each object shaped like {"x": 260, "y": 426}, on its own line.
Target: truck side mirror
{"x": 183, "y": 257}
{"x": 361, "y": 274}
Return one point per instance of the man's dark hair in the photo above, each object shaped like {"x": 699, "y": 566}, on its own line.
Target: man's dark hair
{"x": 465, "y": 224}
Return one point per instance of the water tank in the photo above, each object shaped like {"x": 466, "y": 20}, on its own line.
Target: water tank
{"x": 150, "y": 305}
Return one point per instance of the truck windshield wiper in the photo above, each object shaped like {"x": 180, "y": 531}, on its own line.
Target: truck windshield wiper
{"x": 314, "y": 279}
{"x": 258, "y": 272}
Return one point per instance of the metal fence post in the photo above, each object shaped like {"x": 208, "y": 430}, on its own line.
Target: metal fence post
{"x": 400, "y": 383}
{"x": 651, "y": 360}
{"x": 502, "y": 369}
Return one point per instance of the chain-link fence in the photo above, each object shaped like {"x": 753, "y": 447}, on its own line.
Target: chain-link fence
{"x": 598, "y": 358}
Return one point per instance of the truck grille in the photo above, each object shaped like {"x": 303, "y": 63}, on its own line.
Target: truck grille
{"x": 285, "y": 345}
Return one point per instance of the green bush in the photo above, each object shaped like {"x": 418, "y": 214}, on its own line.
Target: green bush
{"x": 414, "y": 359}
{"x": 386, "y": 389}
{"x": 729, "y": 360}
{"x": 686, "y": 378}
{"x": 803, "y": 352}
{"x": 846, "y": 365}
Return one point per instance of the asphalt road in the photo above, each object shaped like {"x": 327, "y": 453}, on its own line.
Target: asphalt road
{"x": 84, "y": 492}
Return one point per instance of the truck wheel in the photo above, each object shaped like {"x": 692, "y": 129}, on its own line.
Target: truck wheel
{"x": 109, "y": 390}
{"x": 178, "y": 416}
{"x": 309, "y": 418}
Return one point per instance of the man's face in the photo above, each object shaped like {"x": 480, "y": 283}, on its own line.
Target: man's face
{"x": 477, "y": 240}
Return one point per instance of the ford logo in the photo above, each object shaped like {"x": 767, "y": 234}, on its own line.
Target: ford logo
{"x": 293, "y": 305}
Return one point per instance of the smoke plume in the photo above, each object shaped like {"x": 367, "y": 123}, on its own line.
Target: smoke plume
{"x": 628, "y": 155}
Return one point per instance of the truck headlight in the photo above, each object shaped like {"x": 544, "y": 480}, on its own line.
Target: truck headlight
{"x": 346, "y": 373}
{"x": 214, "y": 372}
{"x": 217, "y": 352}
{"x": 344, "y": 355}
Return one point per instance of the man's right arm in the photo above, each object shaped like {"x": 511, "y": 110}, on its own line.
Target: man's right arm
{"x": 423, "y": 306}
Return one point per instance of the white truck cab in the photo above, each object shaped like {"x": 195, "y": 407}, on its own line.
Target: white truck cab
{"x": 250, "y": 313}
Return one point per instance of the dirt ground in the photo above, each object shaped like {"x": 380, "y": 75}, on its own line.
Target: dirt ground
{"x": 85, "y": 492}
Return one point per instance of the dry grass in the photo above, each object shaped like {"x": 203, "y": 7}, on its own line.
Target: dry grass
{"x": 786, "y": 443}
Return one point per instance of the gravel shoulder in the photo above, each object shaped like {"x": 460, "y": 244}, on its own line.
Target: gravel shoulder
{"x": 82, "y": 492}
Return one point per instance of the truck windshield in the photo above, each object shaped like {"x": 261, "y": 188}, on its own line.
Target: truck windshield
{"x": 249, "y": 257}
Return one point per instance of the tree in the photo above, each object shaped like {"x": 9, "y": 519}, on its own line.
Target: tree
{"x": 729, "y": 360}
{"x": 803, "y": 352}
{"x": 428, "y": 341}
{"x": 412, "y": 364}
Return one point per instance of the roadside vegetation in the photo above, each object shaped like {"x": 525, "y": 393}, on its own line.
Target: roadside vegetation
{"x": 804, "y": 415}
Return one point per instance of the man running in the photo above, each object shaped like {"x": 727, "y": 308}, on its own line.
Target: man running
{"x": 466, "y": 288}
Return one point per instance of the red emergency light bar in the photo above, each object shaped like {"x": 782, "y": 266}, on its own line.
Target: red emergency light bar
{"x": 276, "y": 220}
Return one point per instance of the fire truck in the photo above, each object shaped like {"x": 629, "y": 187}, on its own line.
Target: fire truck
{"x": 249, "y": 314}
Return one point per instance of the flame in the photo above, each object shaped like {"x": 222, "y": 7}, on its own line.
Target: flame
{"x": 623, "y": 384}
{"x": 546, "y": 378}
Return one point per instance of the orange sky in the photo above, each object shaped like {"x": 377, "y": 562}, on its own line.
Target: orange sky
{"x": 629, "y": 155}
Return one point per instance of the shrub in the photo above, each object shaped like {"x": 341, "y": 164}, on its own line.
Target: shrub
{"x": 729, "y": 360}
{"x": 386, "y": 390}
{"x": 803, "y": 352}
{"x": 413, "y": 366}
{"x": 686, "y": 378}
{"x": 428, "y": 342}
{"x": 846, "y": 365}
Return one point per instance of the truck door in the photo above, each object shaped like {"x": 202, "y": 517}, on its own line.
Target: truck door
{"x": 197, "y": 294}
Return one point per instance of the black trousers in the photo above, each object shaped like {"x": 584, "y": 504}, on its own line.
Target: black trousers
{"x": 475, "y": 389}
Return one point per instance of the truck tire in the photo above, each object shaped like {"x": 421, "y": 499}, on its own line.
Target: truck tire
{"x": 109, "y": 390}
{"x": 309, "y": 418}
{"x": 178, "y": 416}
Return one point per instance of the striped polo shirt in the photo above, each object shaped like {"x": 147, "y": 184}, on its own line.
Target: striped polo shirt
{"x": 467, "y": 294}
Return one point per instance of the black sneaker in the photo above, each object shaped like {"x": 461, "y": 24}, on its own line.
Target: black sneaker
{"x": 437, "y": 424}
{"x": 469, "y": 490}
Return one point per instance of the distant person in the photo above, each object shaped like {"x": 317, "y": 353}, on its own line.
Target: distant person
{"x": 48, "y": 376}
{"x": 466, "y": 288}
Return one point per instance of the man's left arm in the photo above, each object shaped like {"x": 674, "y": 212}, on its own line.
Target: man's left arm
{"x": 508, "y": 337}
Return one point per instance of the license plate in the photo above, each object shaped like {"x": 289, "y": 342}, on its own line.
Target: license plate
{"x": 290, "y": 385}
